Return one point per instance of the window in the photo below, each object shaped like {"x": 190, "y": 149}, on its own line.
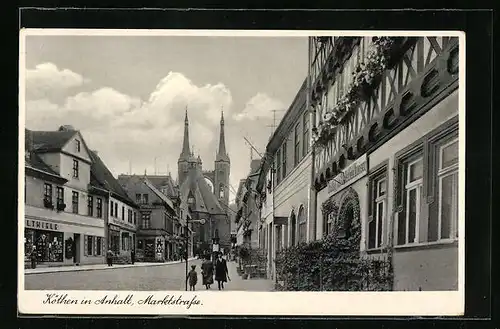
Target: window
{"x": 90, "y": 205}
{"x": 297, "y": 144}
{"x": 146, "y": 220}
{"x": 98, "y": 250}
{"x": 293, "y": 228}
{"x": 221, "y": 191}
{"x": 330, "y": 222}
{"x": 77, "y": 144}
{"x": 135, "y": 218}
{"x": 283, "y": 159}
{"x": 75, "y": 168}
{"x": 378, "y": 206}
{"x": 90, "y": 246}
{"x": 302, "y": 225}
{"x": 74, "y": 202}
{"x": 125, "y": 241}
{"x": 447, "y": 175}
{"x": 99, "y": 208}
{"x": 116, "y": 209}
{"x": 138, "y": 198}
{"x": 145, "y": 198}
{"x": 60, "y": 195}
{"x": 130, "y": 216}
{"x": 47, "y": 193}
{"x": 123, "y": 213}
{"x": 279, "y": 240}
{"x": 305, "y": 143}
{"x": 111, "y": 209}
{"x": 278, "y": 166}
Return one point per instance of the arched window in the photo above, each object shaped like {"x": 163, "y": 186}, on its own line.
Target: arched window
{"x": 293, "y": 228}
{"x": 302, "y": 225}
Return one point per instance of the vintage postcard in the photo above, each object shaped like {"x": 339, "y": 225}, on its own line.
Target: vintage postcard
{"x": 185, "y": 171}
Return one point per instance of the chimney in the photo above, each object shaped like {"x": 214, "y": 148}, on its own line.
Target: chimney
{"x": 66, "y": 128}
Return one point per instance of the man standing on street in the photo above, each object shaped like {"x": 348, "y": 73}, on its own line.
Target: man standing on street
{"x": 221, "y": 272}
{"x": 132, "y": 256}
{"x": 109, "y": 257}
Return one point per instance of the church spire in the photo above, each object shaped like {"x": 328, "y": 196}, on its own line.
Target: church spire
{"x": 222, "y": 154}
{"x": 186, "y": 150}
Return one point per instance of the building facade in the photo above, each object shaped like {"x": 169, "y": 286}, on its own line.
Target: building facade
{"x": 62, "y": 227}
{"x": 386, "y": 143}
{"x": 284, "y": 182}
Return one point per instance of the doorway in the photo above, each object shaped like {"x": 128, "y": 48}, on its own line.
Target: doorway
{"x": 76, "y": 251}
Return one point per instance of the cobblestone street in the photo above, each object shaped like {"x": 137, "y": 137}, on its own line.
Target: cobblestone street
{"x": 138, "y": 278}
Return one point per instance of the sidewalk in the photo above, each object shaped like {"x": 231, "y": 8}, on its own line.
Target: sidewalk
{"x": 94, "y": 267}
{"x": 238, "y": 283}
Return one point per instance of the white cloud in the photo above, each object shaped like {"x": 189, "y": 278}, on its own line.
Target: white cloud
{"x": 259, "y": 106}
{"x": 47, "y": 80}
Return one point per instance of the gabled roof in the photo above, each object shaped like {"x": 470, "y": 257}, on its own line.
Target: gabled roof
{"x": 206, "y": 201}
{"x": 162, "y": 196}
{"x": 164, "y": 182}
{"x": 34, "y": 161}
{"x": 101, "y": 177}
{"x": 48, "y": 141}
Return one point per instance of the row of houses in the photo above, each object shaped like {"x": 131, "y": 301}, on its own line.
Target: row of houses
{"x": 75, "y": 210}
{"x": 368, "y": 147}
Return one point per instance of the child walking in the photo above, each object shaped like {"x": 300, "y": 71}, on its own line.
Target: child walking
{"x": 192, "y": 277}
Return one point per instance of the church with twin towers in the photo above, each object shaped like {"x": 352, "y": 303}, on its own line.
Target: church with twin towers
{"x": 208, "y": 188}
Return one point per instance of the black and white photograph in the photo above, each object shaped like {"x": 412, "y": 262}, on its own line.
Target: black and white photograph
{"x": 209, "y": 163}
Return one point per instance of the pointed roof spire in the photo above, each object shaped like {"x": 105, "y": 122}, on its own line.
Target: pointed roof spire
{"x": 186, "y": 150}
{"x": 221, "y": 153}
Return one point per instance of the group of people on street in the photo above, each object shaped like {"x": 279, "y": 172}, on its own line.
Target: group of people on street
{"x": 207, "y": 273}
{"x": 110, "y": 254}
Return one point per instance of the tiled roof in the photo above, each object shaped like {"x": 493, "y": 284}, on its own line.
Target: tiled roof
{"x": 46, "y": 141}
{"x": 164, "y": 182}
{"x": 34, "y": 161}
{"x": 162, "y": 196}
{"x": 205, "y": 199}
{"x": 101, "y": 177}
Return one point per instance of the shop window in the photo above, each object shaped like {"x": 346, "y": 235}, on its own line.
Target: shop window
{"x": 140, "y": 244}
{"x": 47, "y": 245}
{"x": 90, "y": 205}
{"x": 125, "y": 241}
{"x": 296, "y": 155}
{"x": 98, "y": 250}
{"x": 74, "y": 202}
{"x": 305, "y": 143}
{"x": 378, "y": 209}
{"x": 75, "y": 169}
{"x": 99, "y": 208}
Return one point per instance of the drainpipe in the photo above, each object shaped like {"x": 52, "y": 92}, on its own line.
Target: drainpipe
{"x": 312, "y": 123}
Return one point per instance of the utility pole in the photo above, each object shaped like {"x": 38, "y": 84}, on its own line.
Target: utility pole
{"x": 252, "y": 147}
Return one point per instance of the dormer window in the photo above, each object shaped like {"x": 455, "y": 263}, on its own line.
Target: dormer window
{"x": 77, "y": 142}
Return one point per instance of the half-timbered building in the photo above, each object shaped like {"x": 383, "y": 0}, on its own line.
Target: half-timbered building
{"x": 386, "y": 146}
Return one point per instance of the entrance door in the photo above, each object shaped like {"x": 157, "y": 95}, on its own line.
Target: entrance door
{"x": 76, "y": 253}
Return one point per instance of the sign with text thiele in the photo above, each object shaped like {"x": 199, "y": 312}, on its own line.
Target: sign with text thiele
{"x": 349, "y": 175}
{"x": 41, "y": 225}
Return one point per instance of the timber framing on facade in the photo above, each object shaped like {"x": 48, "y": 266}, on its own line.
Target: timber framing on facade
{"x": 421, "y": 72}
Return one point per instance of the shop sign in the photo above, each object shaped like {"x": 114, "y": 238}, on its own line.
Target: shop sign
{"x": 38, "y": 224}
{"x": 215, "y": 248}
{"x": 122, "y": 224}
{"x": 349, "y": 175}
{"x": 114, "y": 228}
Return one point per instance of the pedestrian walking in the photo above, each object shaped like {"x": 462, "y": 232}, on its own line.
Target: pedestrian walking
{"x": 192, "y": 277}
{"x": 207, "y": 272}
{"x": 132, "y": 256}
{"x": 221, "y": 272}
{"x": 33, "y": 257}
{"x": 109, "y": 257}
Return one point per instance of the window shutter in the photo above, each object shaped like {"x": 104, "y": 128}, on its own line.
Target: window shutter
{"x": 94, "y": 243}
{"x": 85, "y": 245}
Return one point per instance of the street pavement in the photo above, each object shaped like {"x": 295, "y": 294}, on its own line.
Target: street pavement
{"x": 137, "y": 278}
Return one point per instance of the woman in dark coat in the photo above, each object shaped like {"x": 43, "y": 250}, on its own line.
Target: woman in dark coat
{"x": 221, "y": 273}
{"x": 207, "y": 272}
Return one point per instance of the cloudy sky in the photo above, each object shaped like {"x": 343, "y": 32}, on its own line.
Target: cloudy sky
{"x": 127, "y": 94}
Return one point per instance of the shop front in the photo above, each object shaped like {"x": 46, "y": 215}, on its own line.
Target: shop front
{"x": 57, "y": 242}
{"x": 342, "y": 204}
{"x": 150, "y": 249}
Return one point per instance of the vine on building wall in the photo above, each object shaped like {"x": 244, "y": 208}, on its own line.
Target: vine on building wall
{"x": 364, "y": 78}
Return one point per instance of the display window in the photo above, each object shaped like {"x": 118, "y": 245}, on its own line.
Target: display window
{"x": 47, "y": 245}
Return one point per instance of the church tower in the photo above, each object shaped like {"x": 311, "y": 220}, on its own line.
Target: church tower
{"x": 222, "y": 169}
{"x": 183, "y": 162}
